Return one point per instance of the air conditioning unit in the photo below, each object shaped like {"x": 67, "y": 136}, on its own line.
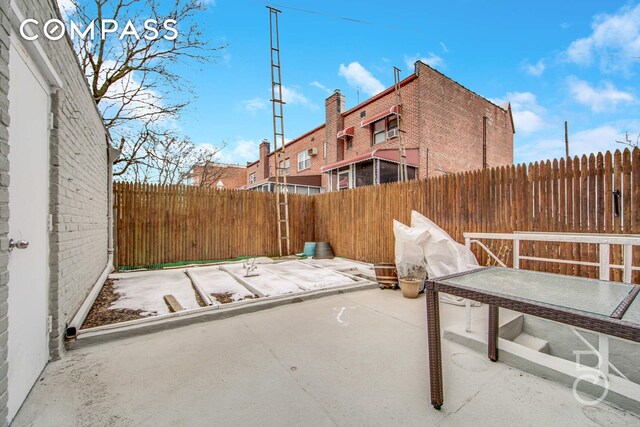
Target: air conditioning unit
{"x": 393, "y": 133}
{"x": 312, "y": 151}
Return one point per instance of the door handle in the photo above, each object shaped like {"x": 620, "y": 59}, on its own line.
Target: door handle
{"x": 20, "y": 244}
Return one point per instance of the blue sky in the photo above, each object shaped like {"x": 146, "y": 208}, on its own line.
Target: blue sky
{"x": 554, "y": 61}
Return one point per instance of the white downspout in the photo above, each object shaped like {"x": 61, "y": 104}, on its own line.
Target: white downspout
{"x": 81, "y": 315}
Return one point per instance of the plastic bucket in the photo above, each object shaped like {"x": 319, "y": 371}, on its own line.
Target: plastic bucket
{"x": 309, "y": 249}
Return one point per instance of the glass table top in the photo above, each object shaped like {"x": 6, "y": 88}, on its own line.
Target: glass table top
{"x": 577, "y": 293}
{"x": 633, "y": 312}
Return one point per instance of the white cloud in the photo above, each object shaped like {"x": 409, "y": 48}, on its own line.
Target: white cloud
{"x": 139, "y": 101}
{"x": 293, "y": 96}
{"x": 357, "y": 75}
{"x": 444, "y": 47}
{"x": 604, "y": 98}
{"x": 255, "y": 104}
{"x": 534, "y": 69}
{"x": 528, "y": 115}
{"x": 290, "y": 96}
{"x": 321, "y": 86}
{"x": 67, "y": 8}
{"x": 240, "y": 152}
{"x": 432, "y": 60}
{"x": 587, "y": 141}
{"x": 615, "y": 40}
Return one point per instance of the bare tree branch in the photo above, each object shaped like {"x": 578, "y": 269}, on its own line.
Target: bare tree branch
{"x": 628, "y": 141}
{"x": 133, "y": 81}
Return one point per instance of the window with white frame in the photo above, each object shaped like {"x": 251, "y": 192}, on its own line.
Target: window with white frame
{"x": 381, "y": 128}
{"x": 379, "y": 131}
{"x": 285, "y": 166}
{"x": 304, "y": 160}
{"x": 252, "y": 178}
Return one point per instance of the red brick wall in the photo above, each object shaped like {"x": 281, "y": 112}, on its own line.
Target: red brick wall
{"x": 451, "y": 122}
{"x": 256, "y": 168}
{"x": 312, "y": 139}
{"x": 231, "y": 176}
{"x": 437, "y": 113}
{"x": 362, "y": 140}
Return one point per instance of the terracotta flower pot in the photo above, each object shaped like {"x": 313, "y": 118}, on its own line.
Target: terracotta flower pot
{"x": 410, "y": 287}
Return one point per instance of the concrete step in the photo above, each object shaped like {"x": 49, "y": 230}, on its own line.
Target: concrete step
{"x": 511, "y": 328}
{"x": 534, "y": 343}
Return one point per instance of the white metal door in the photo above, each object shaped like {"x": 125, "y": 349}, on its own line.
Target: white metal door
{"x": 28, "y": 350}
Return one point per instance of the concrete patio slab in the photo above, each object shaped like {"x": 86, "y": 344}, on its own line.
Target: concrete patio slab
{"x": 346, "y": 360}
{"x": 212, "y": 280}
{"x": 143, "y": 290}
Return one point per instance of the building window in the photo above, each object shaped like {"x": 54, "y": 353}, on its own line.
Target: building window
{"x": 382, "y": 127}
{"x": 390, "y": 172}
{"x": 285, "y": 166}
{"x": 252, "y": 178}
{"x": 343, "y": 179}
{"x": 304, "y": 160}
{"x": 379, "y": 131}
{"x": 364, "y": 174}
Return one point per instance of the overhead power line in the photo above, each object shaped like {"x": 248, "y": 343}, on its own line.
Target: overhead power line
{"x": 346, "y": 18}
{"x": 329, "y": 15}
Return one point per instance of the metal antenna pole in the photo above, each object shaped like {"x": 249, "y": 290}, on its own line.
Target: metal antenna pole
{"x": 566, "y": 138}
{"x": 401, "y": 148}
{"x": 282, "y": 200}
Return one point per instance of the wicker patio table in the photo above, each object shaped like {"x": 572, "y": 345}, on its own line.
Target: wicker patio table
{"x": 606, "y": 307}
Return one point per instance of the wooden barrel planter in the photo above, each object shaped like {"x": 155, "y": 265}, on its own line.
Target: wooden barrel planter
{"x": 323, "y": 251}
{"x": 386, "y": 275}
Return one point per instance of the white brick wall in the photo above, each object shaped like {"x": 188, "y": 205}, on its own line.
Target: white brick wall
{"x": 78, "y": 191}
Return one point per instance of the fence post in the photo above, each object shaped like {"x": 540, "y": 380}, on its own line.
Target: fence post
{"x": 516, "y": 253}
{"x": 603, "y": 340}
{"x": 627, "y": 263}
{"x": 604, "y": 261}
{"x": 467, "y": 303}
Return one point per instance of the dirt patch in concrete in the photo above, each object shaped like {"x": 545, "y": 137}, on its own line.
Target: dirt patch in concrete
{"x": 100, "y": 314}
{"x": 227, "y": 297}
{"x": 201, "y": 302}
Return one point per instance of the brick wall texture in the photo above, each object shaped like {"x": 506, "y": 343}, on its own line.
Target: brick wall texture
{"x": 440, "y": 117}
{"x": 79, "y": 183}
{"x": 231, "y": 176}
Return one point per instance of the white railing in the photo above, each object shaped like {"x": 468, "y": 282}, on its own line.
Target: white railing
{"x": 603, "y": 241}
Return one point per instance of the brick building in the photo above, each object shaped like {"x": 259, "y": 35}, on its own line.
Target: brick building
{"x": 447, "y": 128}
{"x": 219, "y": 176}
{"x": 55, "y": 213}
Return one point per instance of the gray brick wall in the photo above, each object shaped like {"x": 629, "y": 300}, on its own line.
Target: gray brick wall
{"x": 4, "y": 200}
{"x": 78, "y": 185}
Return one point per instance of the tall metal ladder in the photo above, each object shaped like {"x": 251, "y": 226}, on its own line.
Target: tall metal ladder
{"x": 401, "y": 148}
{"x": 282, "y": 200}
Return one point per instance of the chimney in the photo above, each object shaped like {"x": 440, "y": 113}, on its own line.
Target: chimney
{"x": 334, "y": 107}
{"x": 264, "y": 157}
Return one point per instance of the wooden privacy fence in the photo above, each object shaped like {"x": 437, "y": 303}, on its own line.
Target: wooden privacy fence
{"x": 576, "y": 195}
{"x": 165, "y": 224}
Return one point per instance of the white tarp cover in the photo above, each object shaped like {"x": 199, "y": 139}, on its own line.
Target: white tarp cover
{"x": 410, "y": 247}
{"x": 443, "y": 254}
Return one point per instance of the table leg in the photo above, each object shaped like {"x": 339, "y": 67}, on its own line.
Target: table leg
{"x": 435, "y": 352}
{"x": 493, "y": 333}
